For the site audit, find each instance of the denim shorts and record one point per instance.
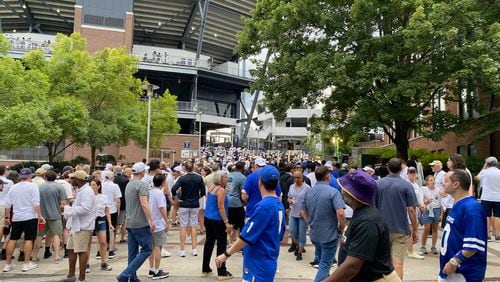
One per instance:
(425, 219)
(100, 224)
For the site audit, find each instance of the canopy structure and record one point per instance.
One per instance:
(176, 23)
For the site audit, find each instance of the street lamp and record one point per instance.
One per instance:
(335, 142)
(199, 112)
(149, 88)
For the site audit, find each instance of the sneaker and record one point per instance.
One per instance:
(9, 267)
(111, 255)
(414, 255)
(497, 238)
(225, 276)
(106, 267)
(314, 264)
(194, 252)
(299, 256)
(165, 253)
(434, 251)
(490, 238)
(29, 266)
(181, 253)
(98, 255)
(160, 275)
(47, 255)
(206, 273)
(87, 269)
(66, 253)
(151, 273)
(21, 256)
(3, 255)
(423, 250)
(291, 249)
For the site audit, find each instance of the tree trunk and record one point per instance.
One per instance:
(51, 150)
(93, 149)
(401, 139)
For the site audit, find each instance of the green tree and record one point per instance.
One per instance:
(385, 62)
(5, 45)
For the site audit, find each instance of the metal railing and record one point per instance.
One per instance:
(206, 108)
(27, 44)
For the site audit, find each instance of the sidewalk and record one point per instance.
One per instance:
(189, 268)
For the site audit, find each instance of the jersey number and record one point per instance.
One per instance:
(444, 239)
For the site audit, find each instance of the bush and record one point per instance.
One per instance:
(79, 160)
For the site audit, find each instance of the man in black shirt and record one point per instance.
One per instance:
(188, 190)
(365, 251)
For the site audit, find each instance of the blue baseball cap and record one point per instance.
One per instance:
(25, 173)
(269, 173)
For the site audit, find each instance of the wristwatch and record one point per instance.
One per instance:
(454, 262)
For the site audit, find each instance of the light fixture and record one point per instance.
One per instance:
(192, 28)
(14, 31)
(159, 23)
(24, 6)
(215, 34)
(58, 10)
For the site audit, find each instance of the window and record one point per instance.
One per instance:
(467, 100)
(439, 103)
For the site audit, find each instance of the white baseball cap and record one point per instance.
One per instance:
(260, 161)
(138, 167)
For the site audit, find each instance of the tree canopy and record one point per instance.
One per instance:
(75, 97)
(387, 63)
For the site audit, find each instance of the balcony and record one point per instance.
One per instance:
(211, 112)
(25, 42)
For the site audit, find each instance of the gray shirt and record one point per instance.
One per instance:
(235, 182)
(321, 204)
(298, 198)
(51, 196)
(394, 196)
(136, 218)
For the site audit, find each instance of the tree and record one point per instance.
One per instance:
(4, 45)
(385, 62)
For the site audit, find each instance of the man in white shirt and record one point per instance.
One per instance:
(112, 191)
(24, 198)
(81, 223)
(446, 200)
(5, 185)
(490, 196)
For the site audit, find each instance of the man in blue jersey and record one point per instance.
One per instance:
(250, 192)
(464, 238)
(263, 232)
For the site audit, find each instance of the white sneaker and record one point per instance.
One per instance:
(29, 266)
(194, 252)
(9, 267)
(414, 255)
(181, 253)
(165, 253)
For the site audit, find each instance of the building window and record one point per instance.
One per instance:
(439, 102)
(467, 99)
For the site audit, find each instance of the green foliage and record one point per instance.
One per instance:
(4, 45)
(385, 62)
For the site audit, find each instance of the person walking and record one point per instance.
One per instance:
(102, 224)
(217, 225)
(81, 223)
(297, 224)
(412, 178)
(192, 189)
(5, 185)
(140, 224)
(323, 209)
(261, 236)
(490, 197)
(112, 191)
(236, 211)
(24, 199)
(432, 214)
(365, 250)
(464, 238)
(52, 197)
(396, 201)
(158, 206)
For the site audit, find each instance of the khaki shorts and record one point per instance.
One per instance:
(391, 277)
(79, 241)
(398, 245)
(2, 216)
(55, 226)
(159, 238)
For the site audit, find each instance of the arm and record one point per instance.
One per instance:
(244, 196)
(341, 220)
(413, 218)
(304, 215)
(238, 245)
(163, 212)
(221, 196)
(145, 207)
(450, 269)
(347, 270)
(87, 205)
(108, 218)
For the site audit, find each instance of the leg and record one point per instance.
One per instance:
(11, 245)
(496, 226)
(36, 248)
(302, 234)
(193, 237)
(72, 263)
(101, 238)
(434, 234)
(221, 237)
(82, 264)
(427, 227)
(398, 249)
(56, 241)
(48, 242)
(201, 219)
(209, 245)
(193, 222)
(182, 235)
(326, 259)
(157, 257)
(28, 247)
(137, 237)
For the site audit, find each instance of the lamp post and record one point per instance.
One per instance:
(198, 112)
(150, 88)
(335, 142)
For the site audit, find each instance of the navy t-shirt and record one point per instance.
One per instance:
(263, 233)
(251, 187)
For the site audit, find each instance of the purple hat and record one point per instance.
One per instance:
(268, 174)
(360, 185)
(25, 173)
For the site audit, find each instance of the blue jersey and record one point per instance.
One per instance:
(251, 188)
(465, 230)
(263, 233)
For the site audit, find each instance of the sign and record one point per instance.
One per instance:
(187, 144)
(185, 154)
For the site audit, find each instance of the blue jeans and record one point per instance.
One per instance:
(137, 237)
(325, 255)
(298, 228)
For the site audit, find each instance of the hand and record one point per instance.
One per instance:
(111, 227)
(449, 269)
(220, 260)
(7, 222)
(41, 220)
(152, 225)
(414, 237)
(229, 227)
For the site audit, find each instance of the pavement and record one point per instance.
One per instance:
(189, 267)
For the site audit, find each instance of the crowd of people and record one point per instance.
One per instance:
(29, 44)
(246, 203)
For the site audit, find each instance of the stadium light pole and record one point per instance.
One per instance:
(150, 88)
